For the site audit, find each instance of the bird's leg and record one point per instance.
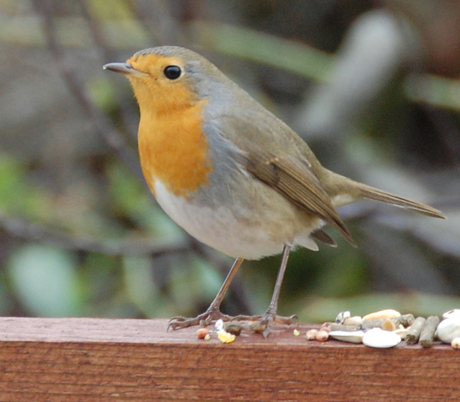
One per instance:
(213, 311)
(261, 323)
(265, 320)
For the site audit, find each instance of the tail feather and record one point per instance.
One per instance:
(375, 194)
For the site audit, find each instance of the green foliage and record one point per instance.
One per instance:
(192, 282)
(344, 275)
(18, 194)
(45, 281)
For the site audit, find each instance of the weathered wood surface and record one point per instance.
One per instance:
(82, 359)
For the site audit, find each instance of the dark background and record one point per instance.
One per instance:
(371, 85)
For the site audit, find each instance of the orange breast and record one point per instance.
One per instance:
(173, 148)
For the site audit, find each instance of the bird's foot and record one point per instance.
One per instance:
(257, 324)
(205, 319)
(249, 323)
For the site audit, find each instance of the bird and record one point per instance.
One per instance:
(231, 173)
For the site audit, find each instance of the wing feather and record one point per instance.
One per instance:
(294, 179)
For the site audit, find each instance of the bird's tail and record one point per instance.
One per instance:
(371, 193)
(357, 190)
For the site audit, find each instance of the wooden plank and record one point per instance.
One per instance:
(80, 359)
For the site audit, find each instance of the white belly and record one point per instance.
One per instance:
(221, 229)
(217, 228)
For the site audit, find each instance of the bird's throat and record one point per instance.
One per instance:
(173, 148)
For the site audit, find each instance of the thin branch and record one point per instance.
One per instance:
(31, 231)
(101, 124)
(125, 105)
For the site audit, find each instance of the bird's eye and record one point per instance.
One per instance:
(172, 72)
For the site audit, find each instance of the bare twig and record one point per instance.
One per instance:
(100, 122)
(125, 105)
(31, 231)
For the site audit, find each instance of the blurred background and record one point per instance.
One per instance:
(371, 85)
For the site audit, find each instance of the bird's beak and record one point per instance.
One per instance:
(123, 68)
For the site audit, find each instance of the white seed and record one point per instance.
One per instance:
(449, 329)
(347, 336)
(219, 325)
(378, 338)
(342, 316)
(451, 313)
(355, 320)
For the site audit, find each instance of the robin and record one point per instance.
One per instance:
(232, 174)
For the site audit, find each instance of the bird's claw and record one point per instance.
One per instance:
(249, 323)
(203, 320)
(259, 324)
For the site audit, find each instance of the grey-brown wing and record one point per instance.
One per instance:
(294, 179)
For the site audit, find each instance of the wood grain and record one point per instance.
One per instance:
(80, 359)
